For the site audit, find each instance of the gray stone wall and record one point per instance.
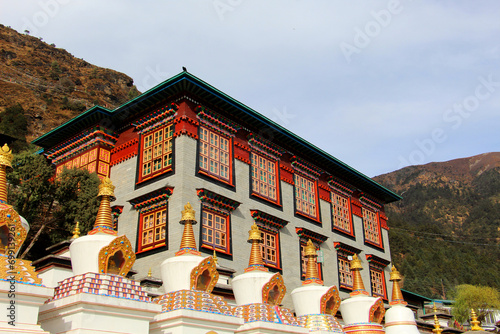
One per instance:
(185, 182)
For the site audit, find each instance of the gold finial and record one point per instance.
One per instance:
(397, 296)
(5, 161)
(188, 212)
(255, 238)
(6, 156)
(311, 265)
(149, 273)
(76, 231)
(104, 220)
(475, 324)
(216, 260)
(434, 307)
(357, 286)
(188, 242)
(106, 188)
(437, 327)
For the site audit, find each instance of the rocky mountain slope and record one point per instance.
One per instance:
(51, 85)
(446, 230)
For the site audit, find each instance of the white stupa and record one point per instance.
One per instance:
(316, 304)
(361, 312)
(399, 319)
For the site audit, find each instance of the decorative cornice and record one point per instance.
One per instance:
(265, 147)
(341, 247)
(216, 122)
(77, 144)
(375, 260)
(370, 202)
(306, 234)
(267, 219)
(216, 200)
(340, 186)
(128, 145)
(305, 167)
(155, 119)
(152, 200)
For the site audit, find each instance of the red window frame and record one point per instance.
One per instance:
(215, 155)
(341, 214)
(270, 248)
(345, 274)
(156, 152)
(89, 160)
(371, 227)
(303, 262)
(215, 228)
(152, 229)
(265, 177)
(377, 280)
(306, 196)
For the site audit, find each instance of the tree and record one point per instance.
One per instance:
(13, 122)
(50, 205)
(482, 299)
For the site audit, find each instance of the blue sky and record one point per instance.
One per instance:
(379, 86)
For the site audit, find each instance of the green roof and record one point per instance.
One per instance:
(186, 83)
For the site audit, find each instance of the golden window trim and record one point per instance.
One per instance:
(122, 244)
(324, 303)
(377, 311)
(276, 281)
(198, 272)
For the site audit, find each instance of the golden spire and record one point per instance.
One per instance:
(312, 267)
(188, 242)
(254, 237)
(357, 286)
(434, 307)
(397, 296)
(475, 324)
(437, 327)
(5, 161)
(216, 260)
(76, 231)
(104, 220)
(149, 273)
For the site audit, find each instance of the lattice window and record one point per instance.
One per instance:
(270, 248)
(377, 279)
(215, 155)
(305, 196)
(215, 230)
(345, 275)
(340, 213)
(157, 151)
(153, 229)
(95, 160)
(264, 176)
(371, 227)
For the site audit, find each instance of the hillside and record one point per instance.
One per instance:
(51, 85)
(446, 230)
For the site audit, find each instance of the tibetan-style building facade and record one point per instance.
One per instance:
(185, 141)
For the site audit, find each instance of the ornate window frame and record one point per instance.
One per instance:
(215, 146)
(306, 189)
(147, 205)
(377, 275)
(156, 144)
(344, 252)
(218, 206)
(372, 230)
(269, 225)
(342, 221)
